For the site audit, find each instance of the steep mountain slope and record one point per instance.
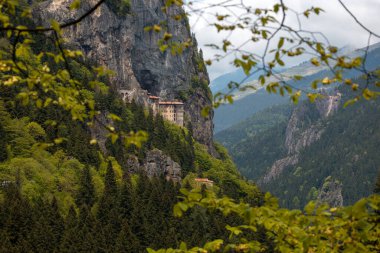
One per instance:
(117, 40)
(254, 136)
(32, 157)
(319, 151)
(226, 116)
(220, 84)
(249, 102)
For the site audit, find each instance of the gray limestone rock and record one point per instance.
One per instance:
(278, 167)
(328, 104)
(157, 163)
(120, 43)
(300, 133)
(297, 137)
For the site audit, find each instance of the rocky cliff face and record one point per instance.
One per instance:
(328, 104)
(156, 163)
(118, 41)
(304, 128)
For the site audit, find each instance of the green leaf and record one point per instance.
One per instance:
(230, 99)
(280, 43)
(350, 102)
(214, 245)
(205, 111)
(56, 26)
(164, 47)
(264, 34)
(75, 4)
(177, 211)
(114, 137)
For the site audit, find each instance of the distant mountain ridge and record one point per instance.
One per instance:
(251, 102)
(220, 84)
(310, 151)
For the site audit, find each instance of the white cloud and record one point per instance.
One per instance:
(335, 23)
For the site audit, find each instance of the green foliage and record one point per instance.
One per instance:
(86, 191)
(258, 141)
(344, 151)
(267, 26)
(316, 229)
(53, 100)
(128, 218)
(43, 76)
(200, 83)
(225, 174)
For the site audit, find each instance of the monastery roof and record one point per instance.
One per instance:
(170, 103)
(153, 97)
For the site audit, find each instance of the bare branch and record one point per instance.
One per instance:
(357, 20)
(62, 26)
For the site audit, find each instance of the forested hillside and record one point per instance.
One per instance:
(346, 153)
(249, 102)
(340, 159)
(129, 215)
(60, 193)
(32, 153)
(81, 170)
(88, 163)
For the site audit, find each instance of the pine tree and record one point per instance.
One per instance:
(138, 220)
(108, 212)
(86, 192)
(150, 129)
(126, 199)
(127, 242)
(109, 198)
(70, 240)
(86, 232)
(3, 144)
(40, 234)
(140, 121)
(189, 151)
(17, 219)
(4, 119)
(56, 222)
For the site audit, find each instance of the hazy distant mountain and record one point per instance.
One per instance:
(310, 151)
(220, 84)
(250, 102)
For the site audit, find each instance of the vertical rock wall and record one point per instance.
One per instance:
(119, 42)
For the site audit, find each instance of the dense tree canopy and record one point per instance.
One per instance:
(42, 82)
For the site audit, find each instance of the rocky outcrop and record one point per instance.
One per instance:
(297, 135)
(304, 128)
(120, 42)
(328, 103)
(300, 133)
(156, 163)
(99, 133)
(278, 167)
(331, 193)
(192, 114)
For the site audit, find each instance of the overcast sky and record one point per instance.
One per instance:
(335, 23)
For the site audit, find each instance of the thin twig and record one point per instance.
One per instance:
(61, 26)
